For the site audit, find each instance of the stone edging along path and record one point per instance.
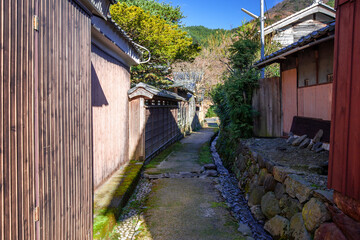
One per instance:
(235, 198)
(290, 207)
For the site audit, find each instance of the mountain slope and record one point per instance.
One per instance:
(288, 7)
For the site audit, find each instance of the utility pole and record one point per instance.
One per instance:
(262, 20)
(262, 37)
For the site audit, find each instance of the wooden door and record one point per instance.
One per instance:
(289, 98)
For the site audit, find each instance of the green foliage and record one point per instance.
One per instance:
(211, 112)
(233, 99)
(331, 3)
(170, 14)
(205, 156)
(201, 34)
(166, 42)
(243, 54)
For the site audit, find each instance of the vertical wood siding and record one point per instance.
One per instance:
(344, 164)
(110, 84)
(267, 102)
(64, 120)
(315, 101)
(161, 127)
(16, 120)
(289, 98)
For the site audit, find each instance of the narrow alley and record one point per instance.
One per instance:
(180, 197)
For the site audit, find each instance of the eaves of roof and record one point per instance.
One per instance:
(125, 35)
(152, 91)
(316, 37)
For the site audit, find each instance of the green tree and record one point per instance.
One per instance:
(233, 99)
(166, 42)
(172, 15)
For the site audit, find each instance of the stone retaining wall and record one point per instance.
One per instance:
(288, 205)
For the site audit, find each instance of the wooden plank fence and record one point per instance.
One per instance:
(267, 102)
(161, 125)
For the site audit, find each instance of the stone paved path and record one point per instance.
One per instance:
(187, 208)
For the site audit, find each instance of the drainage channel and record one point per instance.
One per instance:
(235, 199)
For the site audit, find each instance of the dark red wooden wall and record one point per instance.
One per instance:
(45, 121)
(344, 163)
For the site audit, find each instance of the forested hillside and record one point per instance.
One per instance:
(201, 34)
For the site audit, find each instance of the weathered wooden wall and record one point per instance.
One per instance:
(45, 123)
(110, 83)
(344, 164)
(315, 101)
(267, 102)
(136, 129)
(289, 98)
(161, 126)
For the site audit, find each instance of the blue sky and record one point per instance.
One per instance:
(225, 14)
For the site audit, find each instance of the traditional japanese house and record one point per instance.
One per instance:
(292, 28)
(306, 82)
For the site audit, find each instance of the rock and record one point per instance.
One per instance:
(325, 196)
(316, 146)
(249, 238)
(261, 161)
(349, 206)
(326, 146)
(279, 191)
(269, 183)
(202, 169)
(210, 166)
(270, 205)
(289, 206)
(254, 154)
(318, 136)
(269, 165)
(244, 229)
(348, 226)
(297, 228)
(314, 214)
(315, 169)
(280, 173)
(291, 139)
(187, 174)
(252, 170)
(311, 144)
(278, 227)
(281, 149)
(329, 231)
(262, 175)
(256, 195)
(299, 140)
(211, 173)
(305, 143)
(257, 213)
(320, 149)
(297, 187)
(253, 182)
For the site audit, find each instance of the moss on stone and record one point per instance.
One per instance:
(205, 156)
(163, 155)
(105, 214)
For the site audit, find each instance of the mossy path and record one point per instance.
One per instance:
(187, 208)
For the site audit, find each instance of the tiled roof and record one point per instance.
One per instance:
(314, 36)
(156, 91)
